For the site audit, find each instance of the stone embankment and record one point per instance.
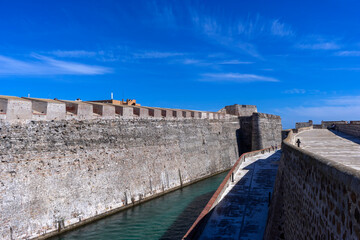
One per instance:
(317, 190)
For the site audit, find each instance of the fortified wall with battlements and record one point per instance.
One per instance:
(18, 109)
(66, 163)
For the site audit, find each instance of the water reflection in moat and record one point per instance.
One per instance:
(166, 217)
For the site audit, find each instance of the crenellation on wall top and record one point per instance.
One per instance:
(25, 108)
(239, 110)
(266, 115)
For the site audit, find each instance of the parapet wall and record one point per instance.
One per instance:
(313, 197)
(23, 109)
(59, 174)
(239, 110)
(303, 124)
(352, 128)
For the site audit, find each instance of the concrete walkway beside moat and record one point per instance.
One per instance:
(242, 213)
(333, 145)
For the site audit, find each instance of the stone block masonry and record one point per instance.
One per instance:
(240, 110)
(314, 197)
(50, 109)
(65, 163)
(80, 109)
(15, 108)
(39, 109)
(266, 130)
(57, 174)
(303, 124)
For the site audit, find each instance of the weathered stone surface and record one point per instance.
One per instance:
(316, 193)
(303, 124)
(68, 171)
(266, 130)
(239, 110)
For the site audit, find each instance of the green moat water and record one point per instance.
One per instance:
(166, 217)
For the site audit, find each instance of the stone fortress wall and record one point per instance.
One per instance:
(313, 196)
(303, 124)
(266, 131)
(61, 169)
(17, 109)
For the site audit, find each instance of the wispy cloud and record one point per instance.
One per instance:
(355, 69)
(335, 108)
(323, 112)
(343, 101)
(348, 53)
(281, 29)
(73, 53)
(192, 61)
(320, 46)
(295, 91)
(155, 54)
(42, 65)
(236, 77)
(303, 91)
(238, 34)
(225, 36)
(163, 14)
(234, 62)
(315, 42)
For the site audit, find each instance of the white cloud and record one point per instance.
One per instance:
(343, 101)
(295, 91)
(238, 34)
(317, 42)
(236, 77)
(348, 53)
(336, 108)
(154, 54)
(191, 61)
(320, 46)
(41, 65)
(324, 112)
(343, 69)
(234, 62)
(303, 91)
(73, 53)
(280, 29)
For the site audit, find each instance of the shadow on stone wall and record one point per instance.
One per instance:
(346, 136)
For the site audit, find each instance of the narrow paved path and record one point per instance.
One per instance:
(242, 213)
(333, 145)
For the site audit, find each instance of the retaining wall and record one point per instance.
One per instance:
(313, 197)
(61, 174)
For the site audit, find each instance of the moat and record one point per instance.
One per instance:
(166, 217)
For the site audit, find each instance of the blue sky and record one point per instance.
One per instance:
(296, 59)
